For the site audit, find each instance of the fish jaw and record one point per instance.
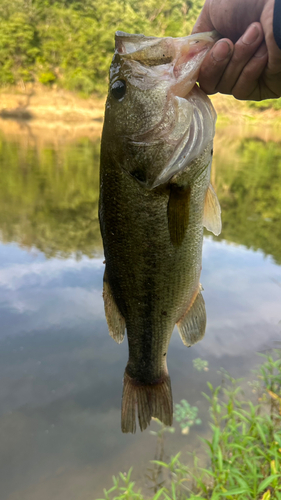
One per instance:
(190, 53)
(182, 56)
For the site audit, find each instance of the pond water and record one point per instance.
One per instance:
(60, 372)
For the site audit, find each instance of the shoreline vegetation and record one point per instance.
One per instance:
(68, 44)
(55, 56)
(241, 457)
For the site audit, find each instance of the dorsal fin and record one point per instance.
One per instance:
(212, 212)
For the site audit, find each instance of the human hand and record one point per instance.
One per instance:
(246, 64)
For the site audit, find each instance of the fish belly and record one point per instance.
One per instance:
(152, 279)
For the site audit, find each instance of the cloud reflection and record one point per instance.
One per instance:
(61, 373)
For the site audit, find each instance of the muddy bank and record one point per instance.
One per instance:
(53, 105)
(39, 115)
(37, 103)
(40, 133)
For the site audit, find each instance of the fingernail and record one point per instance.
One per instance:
(221, 51)
(262, 50)
(251, 34)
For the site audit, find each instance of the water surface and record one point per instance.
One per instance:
(61, 373)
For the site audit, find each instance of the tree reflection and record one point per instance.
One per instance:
(49, 195)
(248, 185)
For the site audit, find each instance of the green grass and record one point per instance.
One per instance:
(244, 451)
(266, 104)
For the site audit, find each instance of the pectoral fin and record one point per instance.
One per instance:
(178, 213)
(115, 321)
(212, 212)
(193, 324)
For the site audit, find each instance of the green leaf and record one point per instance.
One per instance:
(174, 491)
(266, 482)
(210, 386)
(111, 490)
(159, 493)
(124, 479)
(216, 437)
(238, 414)
(167, 496)
(235, 491)
(129, 473)
(261, 433)
(220, 461)
(158, 462)
(206, 396)
(196, 497)
(209, 472)
(241, 482)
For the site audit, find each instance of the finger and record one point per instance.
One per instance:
(272, 74)
(214, 65)
(244, 50)
(248, 86)
(274, 52)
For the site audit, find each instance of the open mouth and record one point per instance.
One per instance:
(190, 52)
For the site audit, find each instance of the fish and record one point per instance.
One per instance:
(155, 198)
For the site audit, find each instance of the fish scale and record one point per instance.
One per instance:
(152, 221)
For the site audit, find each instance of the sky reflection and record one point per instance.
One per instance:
(61, 373)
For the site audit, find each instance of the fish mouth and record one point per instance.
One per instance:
(178, 59)
(190, 53)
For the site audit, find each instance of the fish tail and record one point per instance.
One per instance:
(150, 400)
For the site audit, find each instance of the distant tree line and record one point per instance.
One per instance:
(70, 42)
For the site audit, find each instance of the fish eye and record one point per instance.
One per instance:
(118, 89)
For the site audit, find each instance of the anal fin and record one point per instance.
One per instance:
(193, 324)
(115, 321)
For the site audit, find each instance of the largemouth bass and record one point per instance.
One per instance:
(155, 198)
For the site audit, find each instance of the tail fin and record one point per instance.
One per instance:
(151, 400)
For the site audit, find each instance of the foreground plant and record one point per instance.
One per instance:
(200, 364)
(244, 450)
